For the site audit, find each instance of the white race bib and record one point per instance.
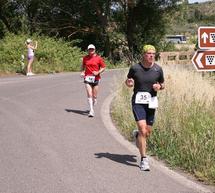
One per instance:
(143, 98)
(90, 79)
(153, 104)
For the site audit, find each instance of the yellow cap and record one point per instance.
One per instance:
(146, 48)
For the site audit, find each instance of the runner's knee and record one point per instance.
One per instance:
(143, 132)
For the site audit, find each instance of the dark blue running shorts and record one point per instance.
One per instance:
(142, 112)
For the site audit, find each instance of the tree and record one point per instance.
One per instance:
(144, 21)
(96, 21)
(9, 16)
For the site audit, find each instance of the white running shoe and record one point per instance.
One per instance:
(91, 113)
(144, 165)
(30, 74)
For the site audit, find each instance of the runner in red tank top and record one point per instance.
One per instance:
(92, 66)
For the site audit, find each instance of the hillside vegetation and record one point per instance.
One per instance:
(191, 16)
(59, 52)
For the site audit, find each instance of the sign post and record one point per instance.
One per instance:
(204, 59)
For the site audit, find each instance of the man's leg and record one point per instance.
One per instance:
(94, 94)
(149, 130)
(143, 134)
(89, 90)
(29, 66)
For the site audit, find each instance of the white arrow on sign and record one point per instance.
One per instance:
(198, 60)
(204, 60)
(205, 37)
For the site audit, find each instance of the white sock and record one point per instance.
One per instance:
(90, 101)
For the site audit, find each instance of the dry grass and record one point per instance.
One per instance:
(184, 131)
(183, 83)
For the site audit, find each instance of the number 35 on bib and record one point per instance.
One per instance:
(146, 98)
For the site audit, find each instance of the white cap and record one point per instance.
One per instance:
(28, 41)
(91, 46)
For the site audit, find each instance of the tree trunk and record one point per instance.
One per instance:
(103, 18)
(130, 28)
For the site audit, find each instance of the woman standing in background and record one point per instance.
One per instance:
(30, 55)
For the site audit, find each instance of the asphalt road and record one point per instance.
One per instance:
(49, 145)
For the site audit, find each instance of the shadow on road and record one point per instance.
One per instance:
(77, 111)
(124, 159)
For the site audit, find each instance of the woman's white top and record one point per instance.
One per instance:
(30, 52)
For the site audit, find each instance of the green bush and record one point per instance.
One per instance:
(52, 55)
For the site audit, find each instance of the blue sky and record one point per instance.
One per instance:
(199, 1)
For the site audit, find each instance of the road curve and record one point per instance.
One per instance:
(49, 145)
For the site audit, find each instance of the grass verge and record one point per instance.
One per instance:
(184, 130)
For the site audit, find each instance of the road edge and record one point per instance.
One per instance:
(106, 118)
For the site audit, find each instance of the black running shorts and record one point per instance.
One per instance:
(142, 112)
(95, 83)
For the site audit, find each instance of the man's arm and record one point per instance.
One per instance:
(158, 86)
(101, 70)
(95, 73)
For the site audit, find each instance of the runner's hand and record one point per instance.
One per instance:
(82, 74)
(156, 86)
(95, 73)
(130, 82)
